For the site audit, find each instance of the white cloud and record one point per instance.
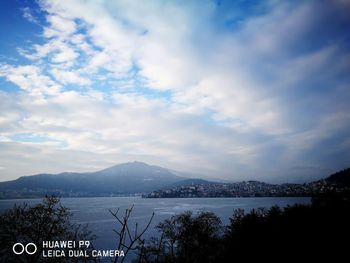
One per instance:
(168, 84)
(69, 77)
(59, 26)
(27, 14)
(30, 79)
(65, 54)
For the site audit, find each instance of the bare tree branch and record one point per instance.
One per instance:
(126, 238)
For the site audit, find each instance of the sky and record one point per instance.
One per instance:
(236, 90)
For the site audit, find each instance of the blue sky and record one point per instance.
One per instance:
(235, 90)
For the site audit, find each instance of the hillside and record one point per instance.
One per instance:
(336, 184)
(154, 181)
(340, 178)
(126, 178)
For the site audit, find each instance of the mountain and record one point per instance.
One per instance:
(341, 178)
(126, 178)
(138, 177)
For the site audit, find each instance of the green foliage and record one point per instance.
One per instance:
(47, 221)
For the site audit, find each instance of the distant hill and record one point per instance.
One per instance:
(192, 181)
(126, 178)
(340, 178)
(141, 178)
(336, 184)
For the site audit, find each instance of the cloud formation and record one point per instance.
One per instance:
(229, 91)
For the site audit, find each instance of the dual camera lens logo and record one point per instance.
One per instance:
(19, 248)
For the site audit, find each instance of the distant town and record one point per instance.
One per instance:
(249, 189)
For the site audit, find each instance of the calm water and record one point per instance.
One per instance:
(94, 211)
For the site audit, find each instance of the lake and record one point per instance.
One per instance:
(94, 211)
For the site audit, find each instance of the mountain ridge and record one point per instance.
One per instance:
(125, 178)
(340, 178)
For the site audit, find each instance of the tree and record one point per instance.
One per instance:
(299, 232)
(306, 232)
(47, 221)
(185, 238)
(127, 239)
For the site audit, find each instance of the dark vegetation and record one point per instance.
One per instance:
(298, 233)
(48, 220)
(340, 178)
